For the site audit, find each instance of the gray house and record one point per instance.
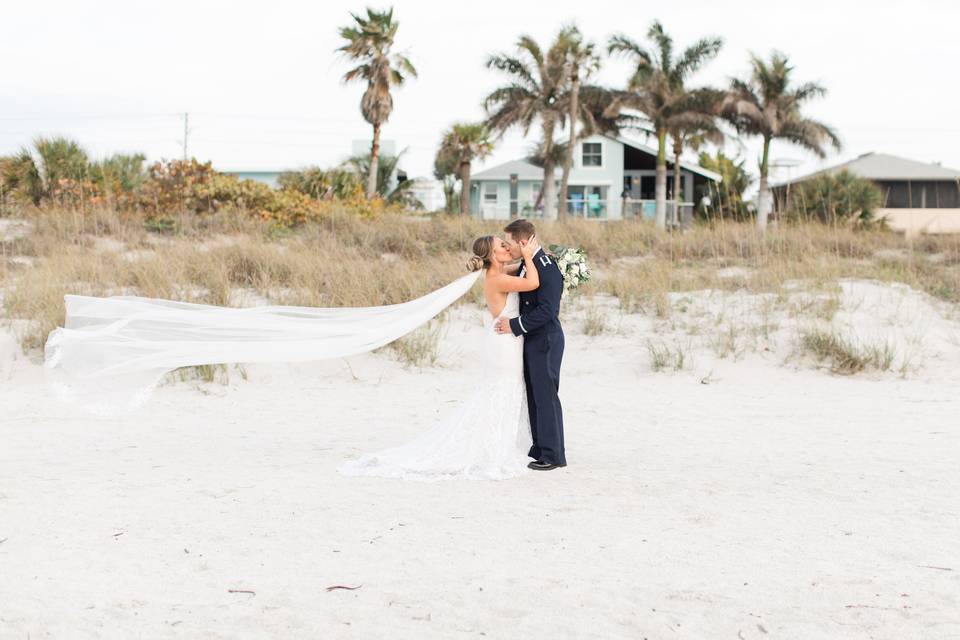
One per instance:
(918, 197)
(612, 178)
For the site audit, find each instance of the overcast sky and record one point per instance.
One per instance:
(261, 81)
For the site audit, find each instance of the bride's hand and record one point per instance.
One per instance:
(530, 249)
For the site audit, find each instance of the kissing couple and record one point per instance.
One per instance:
(514, 413)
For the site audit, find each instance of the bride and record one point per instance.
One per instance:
(488, 436)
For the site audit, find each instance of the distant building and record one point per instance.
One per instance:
(429, 192)
(612, 178)
(266, 177)
(917, 197)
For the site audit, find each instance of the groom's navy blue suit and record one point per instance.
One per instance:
(539, 323)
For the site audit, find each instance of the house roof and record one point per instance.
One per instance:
(689, 166)
(528, 171)
(882, 166)
(523, 169)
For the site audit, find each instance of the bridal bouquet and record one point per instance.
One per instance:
(573, 265)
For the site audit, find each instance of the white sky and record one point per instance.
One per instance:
(262, 83)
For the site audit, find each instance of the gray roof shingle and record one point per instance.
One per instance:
(882, 166)
(523, 169)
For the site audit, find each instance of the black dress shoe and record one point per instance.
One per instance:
(540, 465)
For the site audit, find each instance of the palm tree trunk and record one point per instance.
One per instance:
(677, 148)
(449, 187)
(763, 199)
(661, 185)
(374, 162)
(549, 191)
(571, 146)
(549, 184)
(464, 188)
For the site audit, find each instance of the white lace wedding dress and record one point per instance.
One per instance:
(487, 437)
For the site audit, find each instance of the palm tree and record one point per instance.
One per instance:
(657, 90)
(465, 143)
(368, 42)
(537, 80)
(693, 127)
(539, 156)
(36, 173)
(445, 170)
(582, 62)
(768, 106)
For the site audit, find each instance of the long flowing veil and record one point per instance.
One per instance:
(113, 351)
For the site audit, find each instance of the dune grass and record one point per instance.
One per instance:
(347, 261)
(844, 356)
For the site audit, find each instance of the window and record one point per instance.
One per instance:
(588, 201)
(489, 191)
(592, 154)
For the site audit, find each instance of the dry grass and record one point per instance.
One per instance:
(346, 261)
(844, 356)
(421, 347)
(664, 355)
(594, 321)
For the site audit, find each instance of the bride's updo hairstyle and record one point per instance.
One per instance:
(482, 250)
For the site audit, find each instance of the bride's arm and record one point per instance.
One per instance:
(530, 279)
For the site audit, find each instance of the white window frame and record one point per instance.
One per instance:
(495, 194)
(583, 151)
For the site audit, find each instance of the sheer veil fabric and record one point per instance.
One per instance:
(113, 351)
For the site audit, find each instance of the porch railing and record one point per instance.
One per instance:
(576, 208)
(647, 209)
(589, 209)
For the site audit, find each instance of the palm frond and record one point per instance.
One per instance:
(695, 56)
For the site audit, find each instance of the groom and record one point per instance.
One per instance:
(539, 323)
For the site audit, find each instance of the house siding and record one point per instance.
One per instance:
(608, 179)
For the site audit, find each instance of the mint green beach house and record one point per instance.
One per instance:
(612, 178)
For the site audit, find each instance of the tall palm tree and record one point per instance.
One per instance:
(465, 143)
(767, 105)
(537, 80)
(657, 90)
(368, 42)
(582, 61)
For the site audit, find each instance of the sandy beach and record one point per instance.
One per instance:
(740, 497)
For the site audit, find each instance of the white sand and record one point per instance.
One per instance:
(737, 498)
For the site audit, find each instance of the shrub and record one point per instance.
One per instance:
(833, 198)
(322, 184)
(726, 197)
(194, 187)
(119, 176)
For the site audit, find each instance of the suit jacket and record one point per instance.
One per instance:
(540, 308)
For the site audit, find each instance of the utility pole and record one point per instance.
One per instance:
(186, 131)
